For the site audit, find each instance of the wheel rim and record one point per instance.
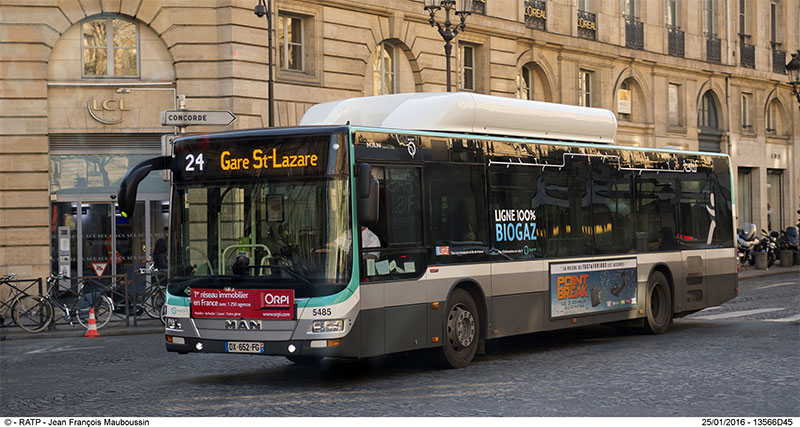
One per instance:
(460, 327)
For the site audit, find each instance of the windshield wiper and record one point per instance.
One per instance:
(287, 269)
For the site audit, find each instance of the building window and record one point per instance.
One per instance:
(110, 48)
(745, 199)
(291, 42)
(525, 83)
(773, 117)
(384, 69)
(674, 106)
(671, 12)
(746, 103)
(479, 6)
(624, 95)
(629, 8)
(585, 88)
(774, 199)
(707, 115)
(708, 17)
(743, 18)
(467, 67)
(773, 23)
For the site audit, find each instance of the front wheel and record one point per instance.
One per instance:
(103, 310)
(462, 331)
(659, 305)
(32, 313)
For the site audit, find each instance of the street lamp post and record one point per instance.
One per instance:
(793, 69)
(260, 10)
(447, 30)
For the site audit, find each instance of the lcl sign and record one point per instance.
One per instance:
(111, 104)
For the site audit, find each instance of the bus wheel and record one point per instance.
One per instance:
(462, 331)
(304, 360)
(659, 305)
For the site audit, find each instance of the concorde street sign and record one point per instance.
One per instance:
(196, 118)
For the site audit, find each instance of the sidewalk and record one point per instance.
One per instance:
(751, 272)
(145, 326)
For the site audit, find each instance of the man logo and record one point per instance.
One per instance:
(251, 325)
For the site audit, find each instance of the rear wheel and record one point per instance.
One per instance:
(32, 314)
(659, 305)
(462, 331)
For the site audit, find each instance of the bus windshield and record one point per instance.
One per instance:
(281, 232)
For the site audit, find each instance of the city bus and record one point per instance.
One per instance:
(434, 221)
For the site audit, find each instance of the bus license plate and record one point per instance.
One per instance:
(244, 347)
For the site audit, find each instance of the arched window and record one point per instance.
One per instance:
(384, 69)
(110, 47)
(625, 86)
(525, 83)
(707, 115)
(774, 117)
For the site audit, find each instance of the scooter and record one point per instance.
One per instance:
(768, 244)
(745, 242)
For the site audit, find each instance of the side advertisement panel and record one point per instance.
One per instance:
(592, 286)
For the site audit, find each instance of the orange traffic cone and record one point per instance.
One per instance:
(91, 332)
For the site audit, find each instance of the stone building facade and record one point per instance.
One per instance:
(82, 83)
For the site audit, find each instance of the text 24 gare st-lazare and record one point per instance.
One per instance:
(260, 160)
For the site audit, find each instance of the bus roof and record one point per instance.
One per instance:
(473, 113)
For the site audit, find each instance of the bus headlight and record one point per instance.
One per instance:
(327, 325)
(173, 323)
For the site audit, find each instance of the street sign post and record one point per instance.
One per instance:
(196, 118)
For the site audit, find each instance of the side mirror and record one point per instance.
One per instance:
(367, 190)
(130, 182)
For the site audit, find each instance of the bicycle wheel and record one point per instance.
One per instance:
(32, 313)
(103, 309)
(154, 303)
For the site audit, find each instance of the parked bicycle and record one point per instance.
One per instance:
(154, 295)
(36, 313)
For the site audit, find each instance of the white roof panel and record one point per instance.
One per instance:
(469, 113)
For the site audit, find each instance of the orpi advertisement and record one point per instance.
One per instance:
(592, 286)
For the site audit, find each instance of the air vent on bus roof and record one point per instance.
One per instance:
(469, 113)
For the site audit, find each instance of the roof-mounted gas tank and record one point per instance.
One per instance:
(469, 113)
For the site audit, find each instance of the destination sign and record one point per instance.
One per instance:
(243, 158)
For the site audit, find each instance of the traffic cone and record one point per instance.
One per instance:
(91, 332)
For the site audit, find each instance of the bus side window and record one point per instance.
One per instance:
(656, 211)
(456, 212)
(612, 208)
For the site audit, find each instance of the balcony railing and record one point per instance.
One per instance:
(778, 59)
(536, 14)
(747, 52)
(634, 33)
(675, 39)
(587, 25)
(713, 49)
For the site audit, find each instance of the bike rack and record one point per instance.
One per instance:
(18, 292)
(117, 288)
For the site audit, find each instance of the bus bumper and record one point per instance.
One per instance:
(347, 346)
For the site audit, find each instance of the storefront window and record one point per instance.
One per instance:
(98, 174)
